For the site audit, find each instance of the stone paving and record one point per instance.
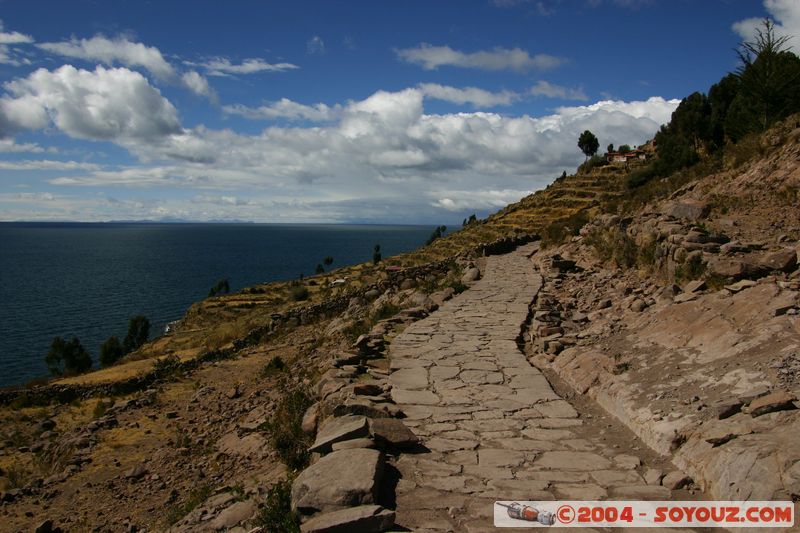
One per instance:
(495, 428)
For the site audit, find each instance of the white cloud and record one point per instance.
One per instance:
(432, 57)
(551, 90)
(10, 146)
(106, 104)
(786, 14)
(384, 150)
(485, 199)
(114, 51)
(222, 200)
(315, 45)
(285, 108)
(468, 95)
(222, 66)
(198, 85)
(47, 164)
(13, 37)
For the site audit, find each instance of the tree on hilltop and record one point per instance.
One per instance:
(138, 332)
(588, 143)
(67, 357)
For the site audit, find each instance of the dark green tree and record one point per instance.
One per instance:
(624, 148)
(769, 75)
(376, 254)
(720, 97)
(610, 147)
(320, 269)
(437, 233)
(67, 357)
(138, 332)
(221, 287)
(111, 351)
(588, 143)
(328, 261)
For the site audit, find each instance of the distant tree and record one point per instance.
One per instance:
(111, 351)
(624, 148)
(769, 75)
(720, 97)
(464, 224)
(437, 233)
(67, 357)
(221, 287)
(328, 261)
(376, 254)
(472, 219)
(320, 269)
(588, 143)
(610, 148)
(138, 332)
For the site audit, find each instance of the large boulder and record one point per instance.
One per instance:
(392, 432)
(784, 260)
(470, 275)
(688, 209)
(361, 519)
(338, 429)
(345, 478)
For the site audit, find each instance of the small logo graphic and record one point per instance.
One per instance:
(527, 513)
(566, 514)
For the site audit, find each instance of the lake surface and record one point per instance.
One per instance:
(87, 280)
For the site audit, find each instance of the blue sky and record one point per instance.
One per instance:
(398, 112)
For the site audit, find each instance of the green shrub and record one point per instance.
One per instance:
(167, 366)
(276, 365)
(196, 497)
(298, 293)
(386, 310)
(276, 515)
(692, 269)
(285, 435)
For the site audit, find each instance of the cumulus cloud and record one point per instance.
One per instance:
(11, 146)
(13, 37)
(117, 51)
(222, 66)
(468, 95)
(105, 104)
(198, 85)
(285, 108)
(385, 146)
(785, 13)
(8, 55)
(551, 90)
(315, 45)
(432, 57)
(122, 51)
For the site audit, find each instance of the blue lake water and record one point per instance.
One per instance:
(87, 280)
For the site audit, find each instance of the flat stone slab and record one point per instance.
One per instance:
(393, 432)
(361, 519)
(338, 429)
(573, 461)
(344, 478)
(419, 397)
(410, 378)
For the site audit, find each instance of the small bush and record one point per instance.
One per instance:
(457, 286)
(356, 329)
(387, 310)
(276, 515)
(276, 365)
(692, 269)
(196, 497)
(285, 435)
(167, 366)
(17, 476)
(111, 351)
(298, 293)
(99, 409)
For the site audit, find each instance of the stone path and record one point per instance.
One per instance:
(495, 428)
